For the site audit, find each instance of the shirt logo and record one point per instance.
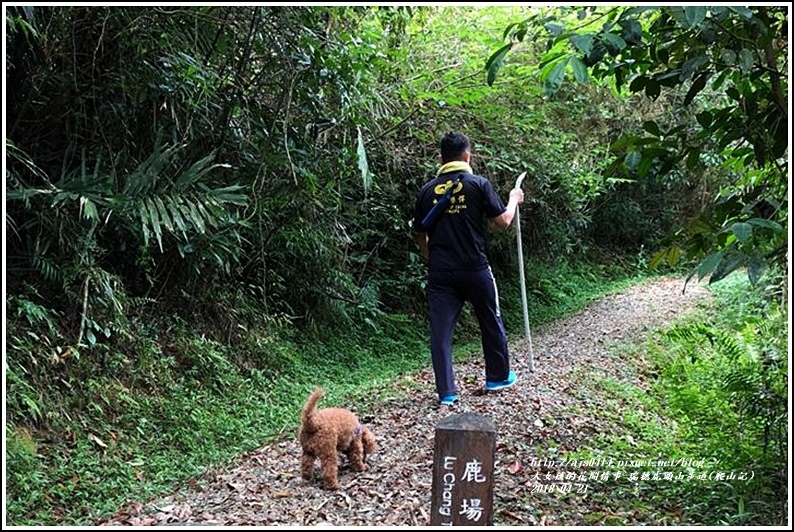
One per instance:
(457, 201)
(442, 188)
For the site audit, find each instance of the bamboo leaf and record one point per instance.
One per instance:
(195, 217)
(228, 195)
(208, 216)
(144, 215)
(88, 209)
(154, 218)
(363, 165)
(164, 218)
(174, 208)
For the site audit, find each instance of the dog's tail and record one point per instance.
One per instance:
(310, 407)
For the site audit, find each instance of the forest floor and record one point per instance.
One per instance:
(551, 411)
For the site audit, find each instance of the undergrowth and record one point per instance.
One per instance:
(127, 421)
(705, 437)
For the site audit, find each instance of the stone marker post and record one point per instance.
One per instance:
(463, 463)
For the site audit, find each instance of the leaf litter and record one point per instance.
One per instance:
(540, 419)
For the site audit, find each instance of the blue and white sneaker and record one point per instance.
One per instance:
(493, 386)
(448, 400)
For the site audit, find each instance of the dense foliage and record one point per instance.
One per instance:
(203, 201)
(723, 70)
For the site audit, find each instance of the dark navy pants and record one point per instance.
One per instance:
(446, 293)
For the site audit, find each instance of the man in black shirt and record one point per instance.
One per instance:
(451, 239)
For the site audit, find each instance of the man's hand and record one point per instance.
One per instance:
(516, 195)
(504, 220)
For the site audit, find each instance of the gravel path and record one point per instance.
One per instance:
(545, 412)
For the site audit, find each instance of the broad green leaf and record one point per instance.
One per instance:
(632, 31)
(742, 230)
(624, 142)
(694, 15)
(679, 15)
(579, 70)
(746, 60)
(692, 65)
(742, 11)
(728, 57)
(632, 160)
(696, 87)
(494, 62)
(693, 158)
(637, 84)
(652, 127)
(704, 119)
(755, 269)
(652, 89)
(669, 78)
(614, 42)
(554, 29)
(583, 42)
(730, 263)
(763, 222)
(554, 80)
(548, 61)
(89, 335)
(708, 265)
(645, 166)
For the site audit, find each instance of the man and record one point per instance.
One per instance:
(452, 242)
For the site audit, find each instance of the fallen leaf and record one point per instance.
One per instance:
(95, 439)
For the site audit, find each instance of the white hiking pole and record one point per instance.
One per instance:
(523, 282)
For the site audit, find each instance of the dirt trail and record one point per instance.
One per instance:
(545, 411)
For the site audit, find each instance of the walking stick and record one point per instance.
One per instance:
(523, 282)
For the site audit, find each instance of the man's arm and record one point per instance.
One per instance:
(421, 240)
(504, 220)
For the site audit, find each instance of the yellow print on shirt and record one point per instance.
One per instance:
(457, 202)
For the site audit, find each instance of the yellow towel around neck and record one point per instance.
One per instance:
(454, 166)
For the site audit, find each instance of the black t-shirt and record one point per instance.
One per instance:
(456, 240)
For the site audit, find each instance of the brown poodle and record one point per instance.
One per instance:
(324, 433)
